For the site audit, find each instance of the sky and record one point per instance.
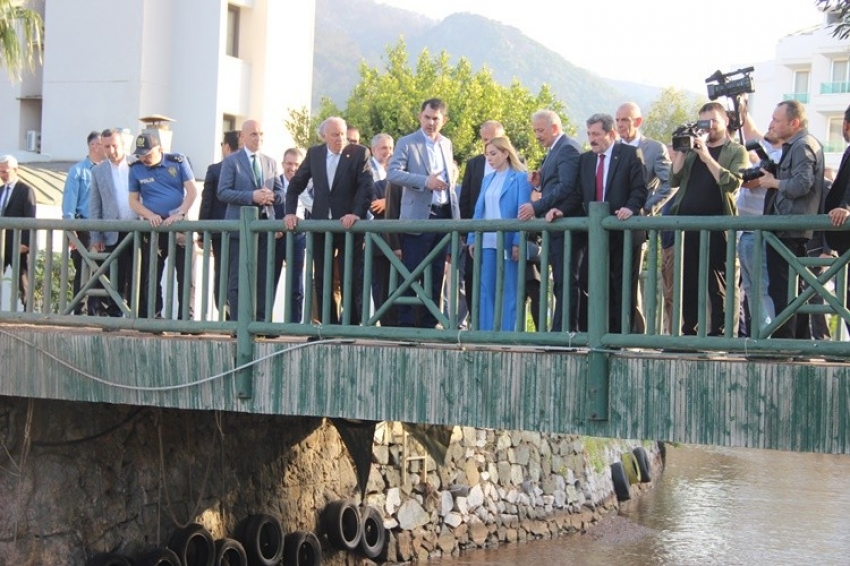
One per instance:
(656, 42)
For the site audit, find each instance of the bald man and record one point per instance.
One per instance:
(656, 160)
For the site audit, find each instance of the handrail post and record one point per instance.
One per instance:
(597, 316)
(247, 288)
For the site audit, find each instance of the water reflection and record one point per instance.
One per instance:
(714, 506)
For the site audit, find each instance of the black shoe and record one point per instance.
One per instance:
(313, 338)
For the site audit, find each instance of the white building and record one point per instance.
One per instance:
(208, 64)
(813, 67)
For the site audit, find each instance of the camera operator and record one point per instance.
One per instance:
(707, 177)
(796, 189)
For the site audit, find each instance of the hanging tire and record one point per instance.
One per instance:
(193, 545)
(374, 536)
(621, 482)
(341, 523)
(262, 538)
(161, 557)
(643, 464)
(630, 467)
(108, 559)
(230, 552)
(302, 548)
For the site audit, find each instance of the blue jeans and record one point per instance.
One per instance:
(746, 252)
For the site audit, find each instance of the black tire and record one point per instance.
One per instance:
(302, 548)
(643, 464)
(230, 552)
(621, 482)
(374, 536)
(160, 557)
(341, 523)
(108, 559)
(262, 538)
(193, 545)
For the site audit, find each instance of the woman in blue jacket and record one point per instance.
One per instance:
(502, 193)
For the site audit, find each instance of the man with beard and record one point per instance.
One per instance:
(707, 177)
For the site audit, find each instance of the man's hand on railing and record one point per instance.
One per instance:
(526, 212)
(24, 249)
(290, 221)
(155, 220)
(176, 217)
(623, 213)
(348, 220)
(838, 216)
(554, 214)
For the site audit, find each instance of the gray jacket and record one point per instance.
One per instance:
(800, 175)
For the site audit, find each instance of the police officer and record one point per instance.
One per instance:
(162, 189)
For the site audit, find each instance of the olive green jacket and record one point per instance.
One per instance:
(733, 158)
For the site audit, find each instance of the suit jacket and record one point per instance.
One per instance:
(839, 197)
(409, 168)
(625, 182)
(102, 202)
(470, 188)
(515, 192)
(352, 185)
(656, 166)
(211, 207)
(21, 204)
(236, 184)
(557, 179)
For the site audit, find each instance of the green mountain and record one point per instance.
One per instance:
(349, 32)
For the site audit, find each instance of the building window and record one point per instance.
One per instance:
(840, 79)
(228, 122)
(232, 46)
(800, 87)
(835, 135)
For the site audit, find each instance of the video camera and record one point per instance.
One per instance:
(765, 163)
(720, 84)
(685, 136)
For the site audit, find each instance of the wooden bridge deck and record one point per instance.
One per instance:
(719, 400)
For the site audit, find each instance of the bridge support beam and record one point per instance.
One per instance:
(247, 308)
(597, 316)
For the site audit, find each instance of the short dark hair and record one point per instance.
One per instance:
(713, 107)
(606, 120)
(231, 139)
(795, 110)
(109, 132)
(93, 135)
(435, 104)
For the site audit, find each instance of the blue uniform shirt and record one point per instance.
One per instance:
(75, 195)
(161, 186)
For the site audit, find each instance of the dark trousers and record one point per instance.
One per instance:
(414, 248)
(716, 290)
(77, 261)
(261, 268)
(218, 264)
(562, 289)
(180, 268)
(381, 288)
(778, 287)
(295, 271)
(105, 306)
(615, 285)
(338, 256)
(23, 276)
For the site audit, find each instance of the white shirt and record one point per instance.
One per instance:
(492, 211)
(121, 188)
(605, 166)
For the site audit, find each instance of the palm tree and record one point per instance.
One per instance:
(20, 37)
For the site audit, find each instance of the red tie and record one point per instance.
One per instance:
(600, 174)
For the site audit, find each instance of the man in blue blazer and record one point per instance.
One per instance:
(421, 164)
(249, 178)
(342, 190)
(614, 173)
(555, 181)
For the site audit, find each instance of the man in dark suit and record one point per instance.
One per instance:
(249, 178)
(476, 169)
(342, 190)
(610, 172)
(837, 203)
(17, 200)
(555, 180)
(214, 209)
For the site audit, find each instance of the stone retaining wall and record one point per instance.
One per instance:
(78, 478)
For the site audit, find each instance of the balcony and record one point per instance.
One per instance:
(835, 88)
(834, 147)
(798, 96)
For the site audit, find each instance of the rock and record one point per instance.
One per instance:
(512, 496)
(493, 471)
(522, 453)
(376, 483)
(411, 515)
(504, 441)
(446, 503)
(405, 546)
(446, 542)
(475, 498)
(504, 472)
(485, 476)
(560, 499)
(477, 531)
(470, 436)
(461, 506)
(516, 474)
(393, 501)
(381, 454)
(472, 474)
(453, 520)
(530, 437)
(511, 535)
(390, 524)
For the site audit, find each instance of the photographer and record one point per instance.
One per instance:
(796, 189)
(707, 177)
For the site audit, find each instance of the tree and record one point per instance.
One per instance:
(839, 16)
(388, 100)
(21, 30)
(670, 110)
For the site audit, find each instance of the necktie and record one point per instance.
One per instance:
(600, 178)
(4, 199)
(258, 177)
(333, 161)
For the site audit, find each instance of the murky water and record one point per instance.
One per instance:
(713, 506)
